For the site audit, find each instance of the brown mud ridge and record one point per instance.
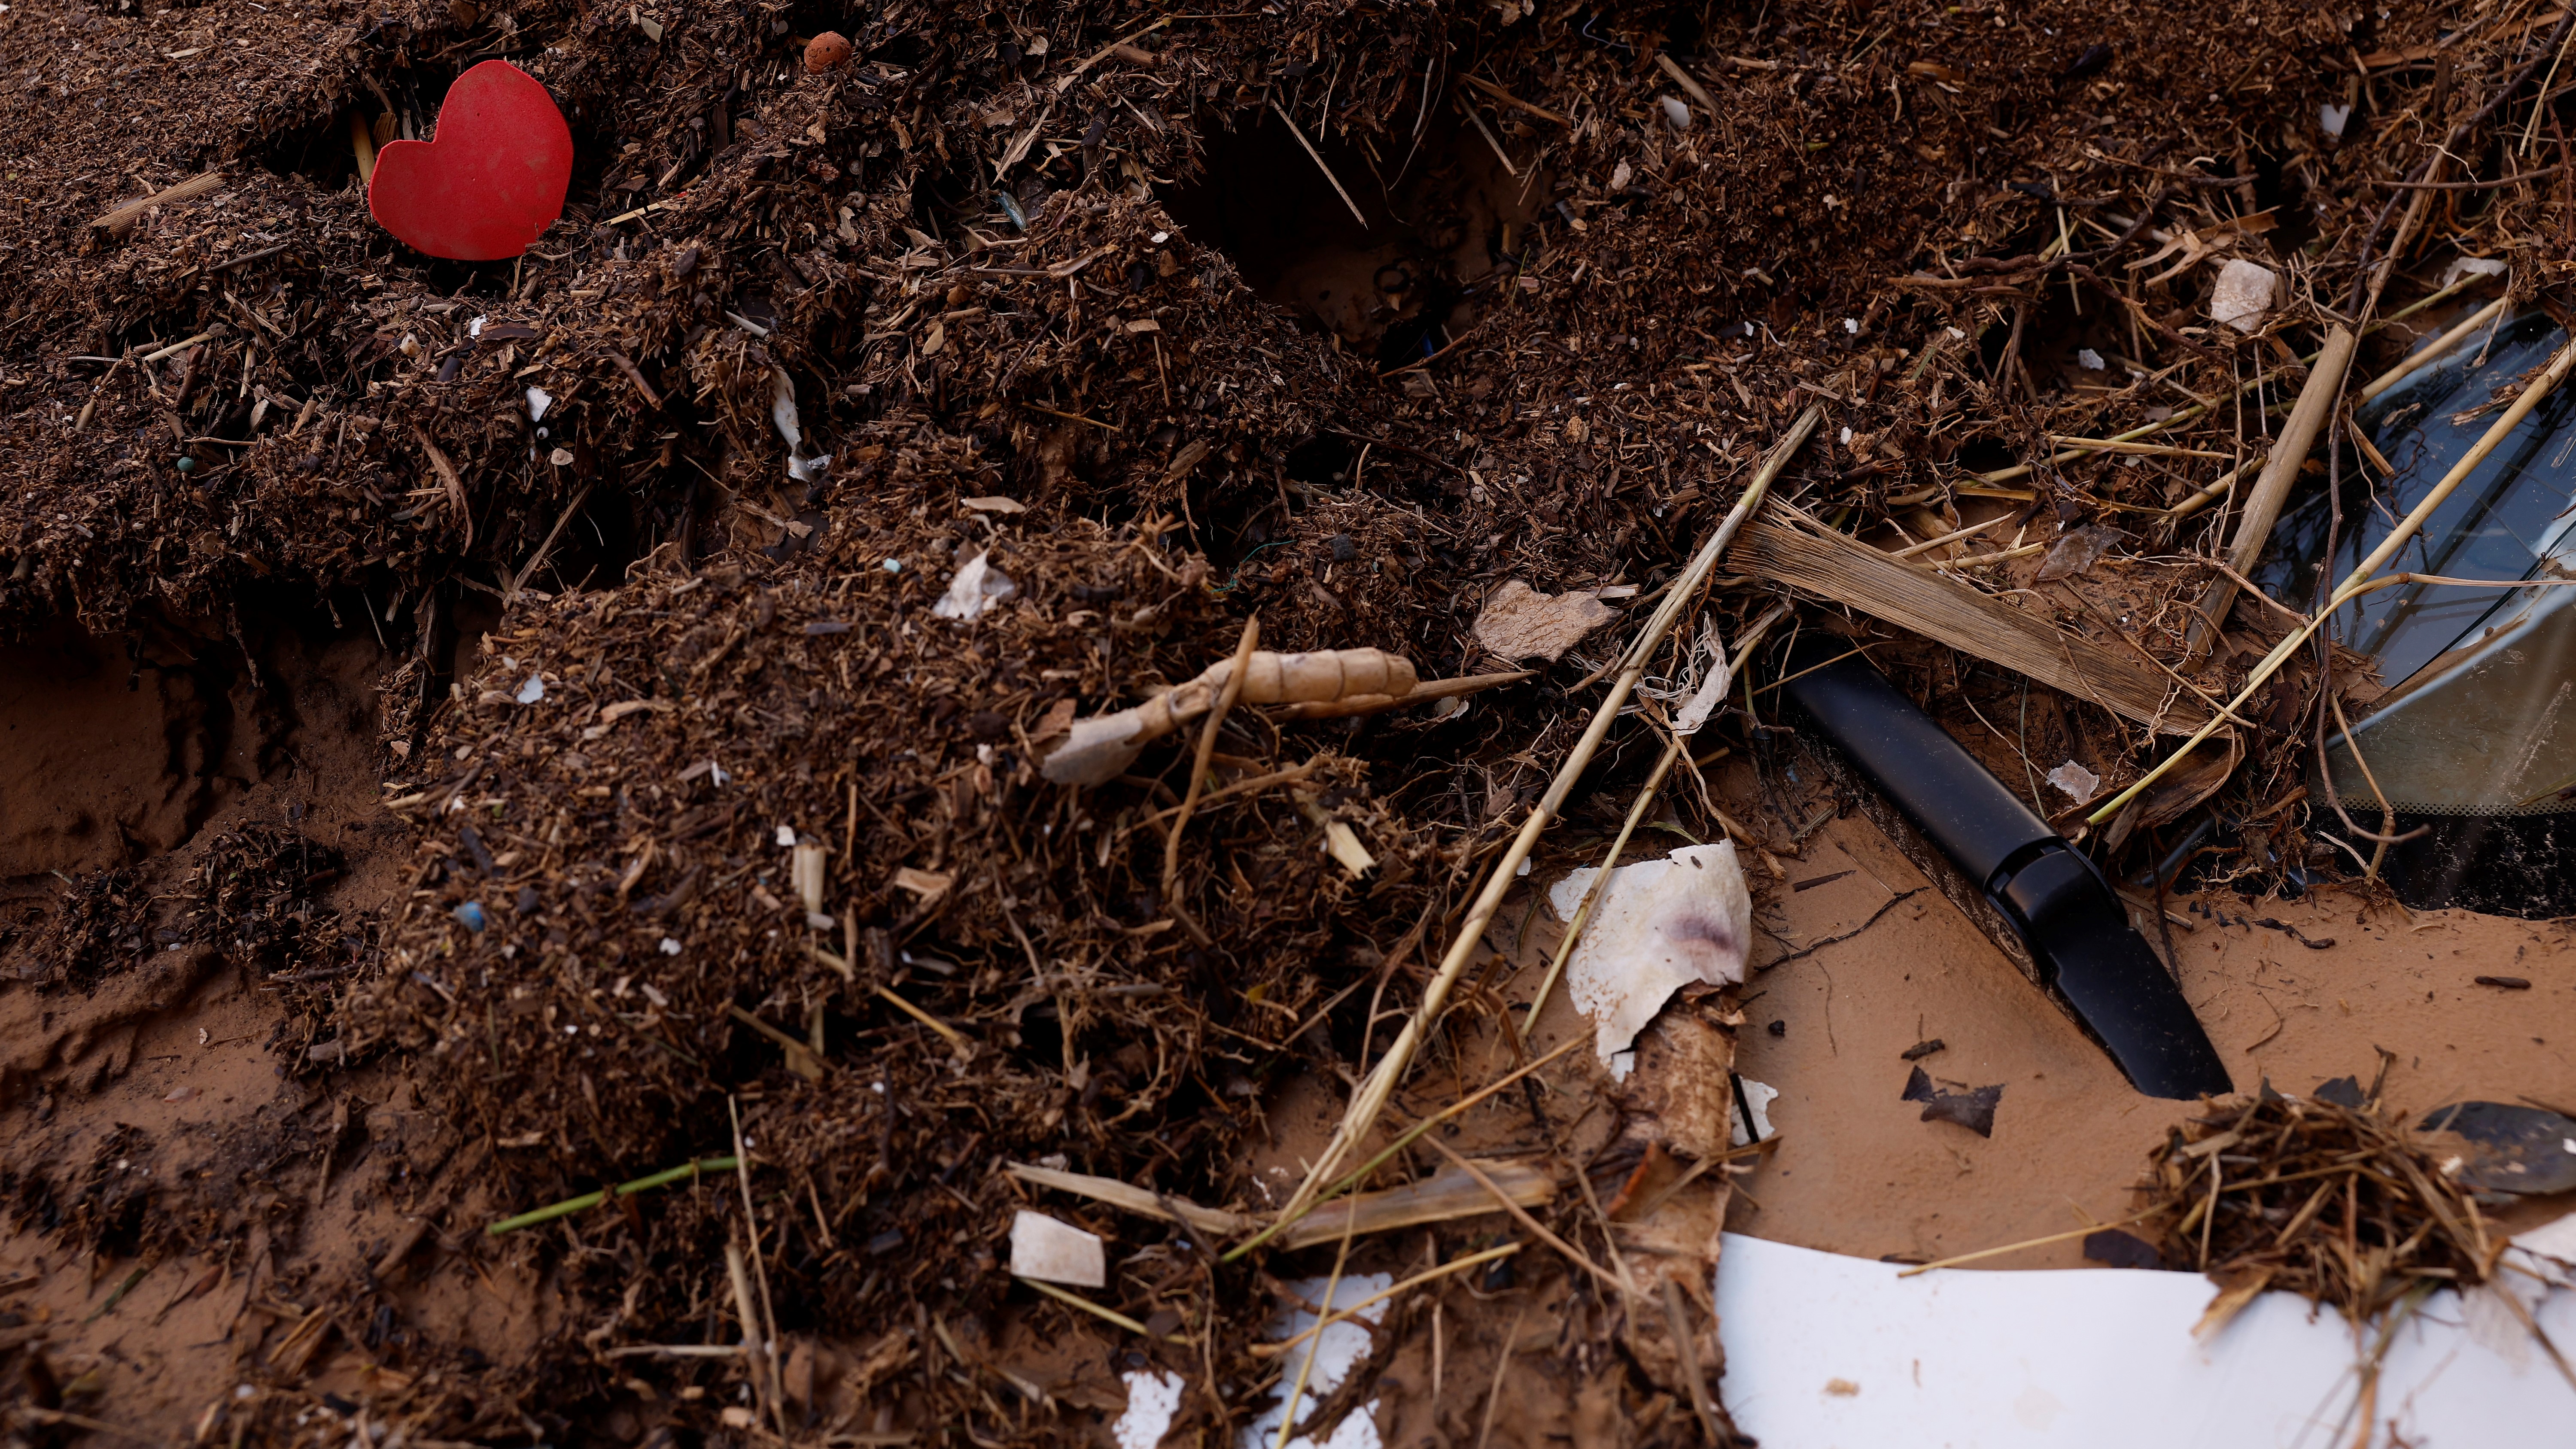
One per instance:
(522, 749)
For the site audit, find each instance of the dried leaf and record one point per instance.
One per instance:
(2077, 550)
(1519, 622)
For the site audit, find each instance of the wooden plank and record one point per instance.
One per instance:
(1839, 567)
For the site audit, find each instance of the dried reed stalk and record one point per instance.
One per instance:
(2341, 1205)
(2272, 489)
(1371, 1098)
(1839, 567)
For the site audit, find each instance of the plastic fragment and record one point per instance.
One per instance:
(1054, 1252)
(2243, 295)
(976, 587)
(1758, 1097)
(2079, 783)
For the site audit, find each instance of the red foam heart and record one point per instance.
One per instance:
(490, 179)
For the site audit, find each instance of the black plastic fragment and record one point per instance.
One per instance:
(2113, 1248)
(2068, 927)
(2511, 1148)
(1969, 1107)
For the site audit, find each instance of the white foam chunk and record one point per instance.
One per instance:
(1153, 1398)
(1337, 1351)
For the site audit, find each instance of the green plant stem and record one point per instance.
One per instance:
(589, 1200)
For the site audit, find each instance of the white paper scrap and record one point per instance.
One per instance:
(1054, 1252)
(1660, 925)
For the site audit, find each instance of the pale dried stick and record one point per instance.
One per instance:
(1502, 1366)
(1371, 1099)
(2191, 413)
(1225, 699)
(763, 1352)
(2431, 352)
(1521, 1215)
(1679, 1322)
(1106, 1315)
(1314, 1350)
(1403, 1140)
(1981, 1254)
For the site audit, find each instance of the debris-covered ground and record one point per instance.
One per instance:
(482, 734)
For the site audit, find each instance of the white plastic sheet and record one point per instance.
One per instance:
(1831, 1352)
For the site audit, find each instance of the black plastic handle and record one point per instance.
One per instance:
(2074, 928)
